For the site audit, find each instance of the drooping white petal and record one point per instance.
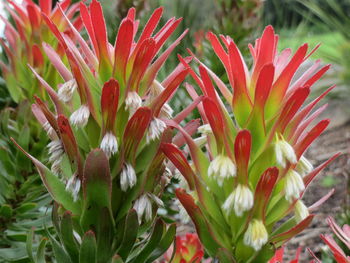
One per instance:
(256, 235)
(294, 185)
(240, 200)
(66, 91)
(109, 144)
(73, 186)
(222, 167)
(143, 207)
(80, 117)
(155, 129)
(284, 152)
(205, 129)
(304, 167)
(127, 177)
(48, 128)
(132, 102)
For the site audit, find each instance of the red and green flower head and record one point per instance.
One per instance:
(106, 122)
(248, 170)
(188, 249)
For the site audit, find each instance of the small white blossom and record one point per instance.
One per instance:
(223, 167)
(73, 186)
(56, 152)
(294, 185)
(132, 102)
(143, 206)
(48, 128)
(80, 117)
(155, 89)
(300, 211)
(155, 129)
(166, 111)
(256, 235)
(205, 129)
(284, 151)
(109, 144)
(240, 200)
(66, 91)
(127, 177)
(304, 167)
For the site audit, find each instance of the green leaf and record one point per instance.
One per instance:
(6, 211)
(40, 254)
(225, 256)
(152, 243)
(29, 245)
(130, 230)
(164, 244)
(97, 213)
(67, 236)
(60, 253)
(88, 249)
(54, 185)
(26, 207)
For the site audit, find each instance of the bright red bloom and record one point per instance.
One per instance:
(188, 250)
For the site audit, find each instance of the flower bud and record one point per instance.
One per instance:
(294, 185)
(284, 152)
(304, 166)
(109, 144)
(80, 117)
(127, 177)
(240, 200)
(256, 235)
(222, 167)
(66, 91)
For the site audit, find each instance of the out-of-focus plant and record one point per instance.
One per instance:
(22, 45)
(278, 257)
(106, 172)
(23, 200)
(188, 249)
(334, 16)
(343, 234)
(253, 173)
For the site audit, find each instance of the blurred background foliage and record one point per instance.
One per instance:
(22, 198)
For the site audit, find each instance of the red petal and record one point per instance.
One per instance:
(264, 190)
(291, 106)
(109, 104)
(122, 49)
(134, 131)
(285, 236)
(46, 6)
(158, 103)
(142, 61)
(243, 143)
(305, 142)
(180, 162)
(99, 26)
(216, 122)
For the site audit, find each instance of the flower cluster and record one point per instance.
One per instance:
(24, 44)
(106, 122)
(253, 171)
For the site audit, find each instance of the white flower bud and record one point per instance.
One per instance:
(155, 129)
(127, 177)
(304, 167)
(222, 167)
(109, 144)
(80, 117)
(284, 151)
(256, 235)
(301, 211)
(66, 91)
(240, 200)
(294, 185)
